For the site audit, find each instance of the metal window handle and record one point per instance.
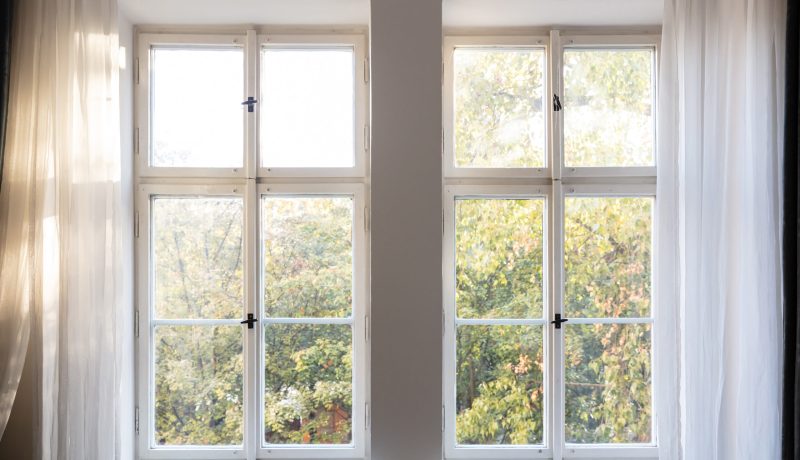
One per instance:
(556, 103)
(250, 102)
(249, 321)
(558, 321)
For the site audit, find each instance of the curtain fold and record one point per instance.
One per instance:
(61, 224)
(791, 379)
(720, 165)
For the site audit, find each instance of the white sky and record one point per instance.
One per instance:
(306, 107)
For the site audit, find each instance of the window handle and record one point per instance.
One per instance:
(558, 321)
(249, 321)
(250, 102)
(556, 103)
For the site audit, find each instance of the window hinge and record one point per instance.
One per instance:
(366, 328)
(136, 420)
(442, 146)
(137, 71)
(366, 219)
(366, 70)
(442, 418)
(136, 224)
(366, 138)
(443, 323)
(366, 415)
(136, 323)
(136, 141)
(442, 221)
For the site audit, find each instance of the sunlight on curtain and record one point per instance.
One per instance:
(61, 225)
(719, 228)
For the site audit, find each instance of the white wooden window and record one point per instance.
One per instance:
(252, 249)
(549, 175)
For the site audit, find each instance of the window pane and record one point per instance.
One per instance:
(308, 256)
(197, 257)
(607, 257)
(196, 107)
(499, 385)
(607, 383)
(499, 110)
(198, 387)
(308, 396)
(499, 258)
(608, 107)
(307, 108)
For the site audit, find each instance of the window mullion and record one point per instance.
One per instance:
(252, 337)
(251, 118)
(556, 265)
(555, 83)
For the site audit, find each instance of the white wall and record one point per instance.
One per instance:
(406, 59)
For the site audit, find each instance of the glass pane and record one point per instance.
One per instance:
(499, 385)
(499, 258)
(308, 256)
(196, 107)
(608, 107)
(307, 108)
(308, 394)
(499, 110)
(197, 257)
(607, 257)
(607, 383)
(198, 385)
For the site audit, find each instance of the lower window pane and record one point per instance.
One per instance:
(499, 385)
(198, 385)
(608, 383)
(308, 395)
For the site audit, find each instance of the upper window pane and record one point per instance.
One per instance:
(607, 256)
(499, 258)
(499, 111)
(308, 256)
(307, 107)
(196, 113)
(608, 107)
(197, 257)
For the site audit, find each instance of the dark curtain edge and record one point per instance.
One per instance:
(5, 73)
(791, 383)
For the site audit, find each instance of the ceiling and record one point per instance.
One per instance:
(457, 13)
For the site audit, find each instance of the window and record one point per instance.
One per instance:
(251, 246)
(549, 175)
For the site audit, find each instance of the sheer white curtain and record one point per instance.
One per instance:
(719, 227)
(62, 226)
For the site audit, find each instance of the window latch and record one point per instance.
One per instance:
(556, 103)
(558, 321)
(249, 321)
(250, 102)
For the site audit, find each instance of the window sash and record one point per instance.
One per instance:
(555, 182)
(251, 42)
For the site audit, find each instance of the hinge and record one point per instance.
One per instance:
(136, 224)
(136, 323)
(366, 415)
(442, 221)
(442, 146)
(366, 138)
(137, 71)
(366, 219)
(443, 323)
(442, 74)
(366, 328)
(442, 418)
(366, 70)
(136, 420)
(136, 141)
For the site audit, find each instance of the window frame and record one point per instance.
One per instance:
(248, 183)
(555, 182)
